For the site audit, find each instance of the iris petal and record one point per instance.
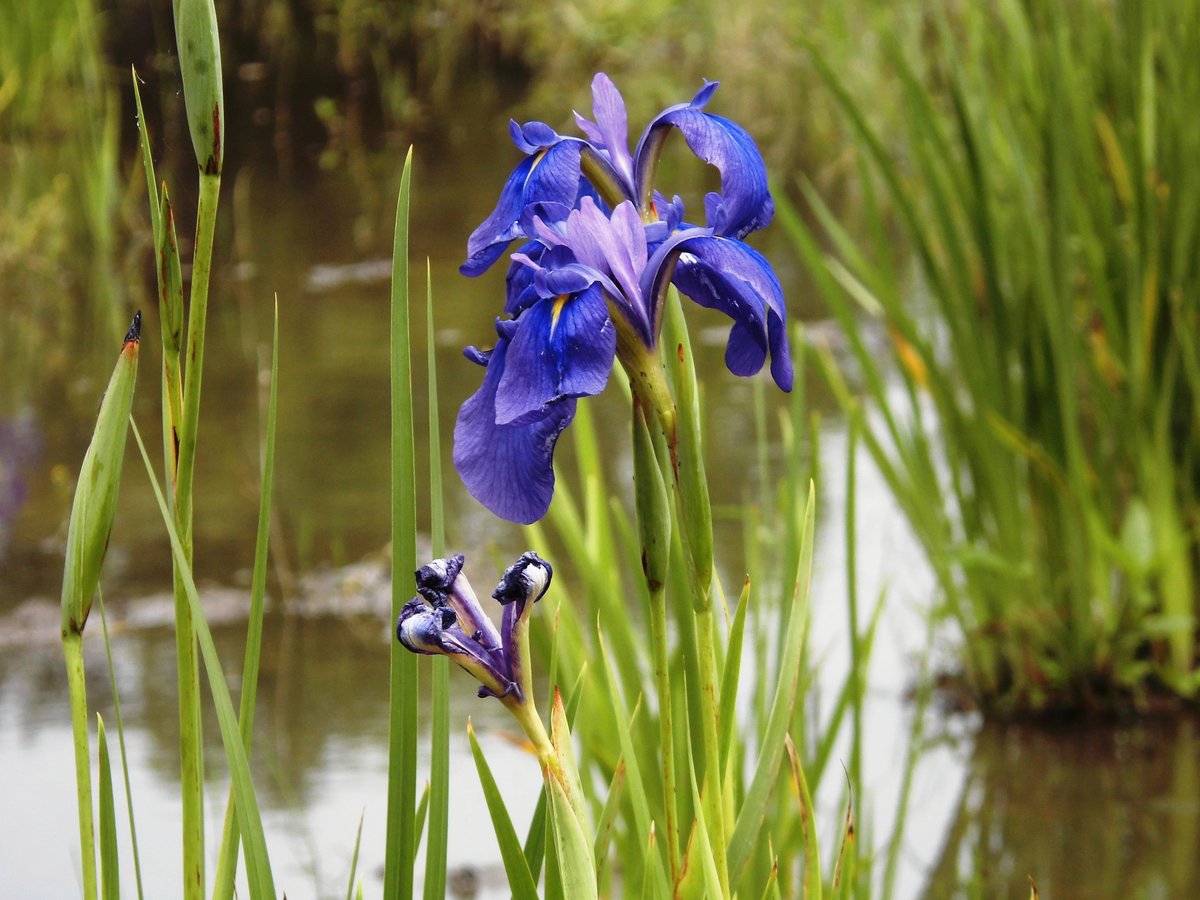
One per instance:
(721, 143)
(610, 130)
(726, 145)
(508, 468)
(564, 347)
(551, 176)
(736, 279)
(519, 287)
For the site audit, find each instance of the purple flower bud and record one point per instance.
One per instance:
(446, 619)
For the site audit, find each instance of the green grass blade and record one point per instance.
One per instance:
(731, 673)
(110, 876)
(419, 817)
(750, 817)
(812, 855)
(520, 879)
(608, 815)
(77, 685)
(535, 840)
(112, 679)
(354, 862)
(147, 159)
(572, 848)
(402, 712)
(654, 879)
(439, 740)
(258, 865)
(701, 844)
(227, 860)
(637, 791)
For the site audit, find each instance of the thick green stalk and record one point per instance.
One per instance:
(191, 745)
(73, 651)
(666, 729)
(206, 222)
(191, 760)
(714, 807)
(646, 377)
(654, 527)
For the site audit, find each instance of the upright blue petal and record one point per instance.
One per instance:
(508, 468)
(614, 246)
(610, 132)
(563, 347)
(736, 279)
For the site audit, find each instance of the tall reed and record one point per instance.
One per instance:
(1036, 410)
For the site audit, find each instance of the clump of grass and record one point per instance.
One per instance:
(1037, 413)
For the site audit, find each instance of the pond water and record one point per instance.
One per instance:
(1089, 813)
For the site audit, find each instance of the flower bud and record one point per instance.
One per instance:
(200, 66)
(95, 503)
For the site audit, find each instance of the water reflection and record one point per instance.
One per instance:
(320, 756)
(1091, 812)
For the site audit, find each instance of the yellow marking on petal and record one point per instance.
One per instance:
(559, 302)
(537, 160)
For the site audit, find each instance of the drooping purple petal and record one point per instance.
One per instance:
(508, 468)
(563, 347)
(550, 176)
(781, 353)
(746, 350)
(660, 268)
(736, 279)
(721, 143)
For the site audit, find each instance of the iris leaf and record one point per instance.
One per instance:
(516, 867)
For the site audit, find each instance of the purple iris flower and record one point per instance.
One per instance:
(586, 282)
(446, 619)
(559, 171)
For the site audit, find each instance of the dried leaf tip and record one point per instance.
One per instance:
(135, 329)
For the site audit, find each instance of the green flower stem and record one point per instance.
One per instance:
(648, 382)
(206, 221)
(191, 746)
(191, 761)
(73, 651)
(662, 677)
(654, 527)
(531, 723)
(713, 797)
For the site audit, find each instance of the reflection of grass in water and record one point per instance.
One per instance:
(1088, 812)
(58, 146)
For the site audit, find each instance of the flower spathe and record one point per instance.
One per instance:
(589, 282)
(446, 618)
